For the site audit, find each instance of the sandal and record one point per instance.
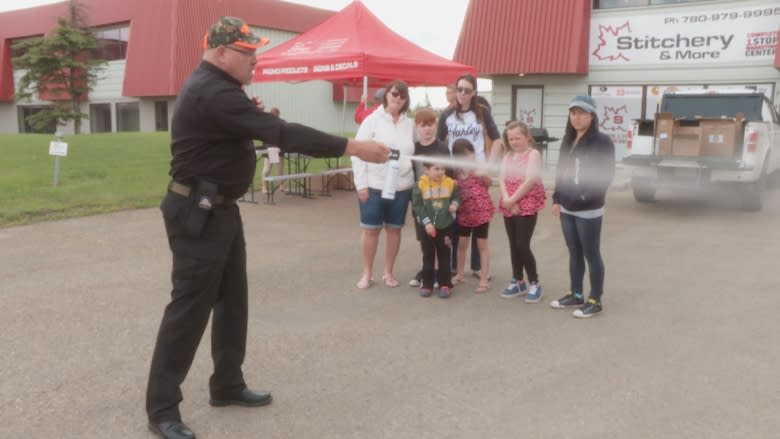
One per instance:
(364, 282)
(457, 280)
(390, 281)
(482, 288)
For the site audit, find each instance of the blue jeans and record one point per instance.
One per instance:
(583, 238)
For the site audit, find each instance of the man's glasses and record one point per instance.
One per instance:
(246, 53)
(396, 94)
(464, 90)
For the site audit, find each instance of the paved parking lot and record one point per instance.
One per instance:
(686, 348)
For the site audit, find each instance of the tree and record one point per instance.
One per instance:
(60, 68)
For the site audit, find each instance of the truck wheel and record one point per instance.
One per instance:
(753, 199)
(644, 192)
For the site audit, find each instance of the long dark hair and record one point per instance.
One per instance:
(474, 105)
(571, 134)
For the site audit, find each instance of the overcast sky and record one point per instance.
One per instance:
(434, 26)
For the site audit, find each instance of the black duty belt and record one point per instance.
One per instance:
(184, 190)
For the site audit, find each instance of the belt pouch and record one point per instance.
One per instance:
(202, 201)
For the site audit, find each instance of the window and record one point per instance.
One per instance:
(16, 51)
(161, 115)
(100, 118)
(29, 110)
(663, 2)
(610, 4)
(111, 43)
(128, 117)
(618, 106)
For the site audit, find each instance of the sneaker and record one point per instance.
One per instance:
(514, 289)
(568, 300)
(445, 292)
(436, 276)
(534, 293)
(590, 309)
(425, 292)
(417, 281)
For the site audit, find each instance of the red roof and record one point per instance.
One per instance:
(529, 36)
(350, 45)
(165, 35)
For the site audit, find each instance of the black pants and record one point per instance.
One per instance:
(519, 230)
(431, 249)
(476, 262)
(209, 274)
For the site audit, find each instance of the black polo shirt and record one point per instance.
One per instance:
(214, 123)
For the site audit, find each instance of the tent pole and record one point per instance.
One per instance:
(365, 89)
(343, 117)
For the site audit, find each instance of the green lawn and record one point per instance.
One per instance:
(101, 173)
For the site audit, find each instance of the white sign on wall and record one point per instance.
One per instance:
(712, 36)
(617, 106)
(528, 106)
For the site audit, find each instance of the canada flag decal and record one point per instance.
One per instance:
(614, 118)
(606, 49)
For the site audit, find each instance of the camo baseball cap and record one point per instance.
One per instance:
(232, 30)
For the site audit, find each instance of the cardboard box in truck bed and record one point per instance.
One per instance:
(686, 141)
(700, 137)
(720, 137)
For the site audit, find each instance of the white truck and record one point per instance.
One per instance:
(701, 138)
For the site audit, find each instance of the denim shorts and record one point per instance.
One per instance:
(377, 212)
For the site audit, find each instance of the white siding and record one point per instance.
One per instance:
(9, 122)
(558, 91)
(310, 103)
(109, 83)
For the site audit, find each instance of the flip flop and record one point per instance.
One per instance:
(364, 283)
(482, 288)
(390, 281)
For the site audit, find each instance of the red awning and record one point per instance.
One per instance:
(353, 44)
(529, 36)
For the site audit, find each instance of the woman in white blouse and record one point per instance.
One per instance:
(390, 125)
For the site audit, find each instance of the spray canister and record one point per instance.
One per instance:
(392, 170)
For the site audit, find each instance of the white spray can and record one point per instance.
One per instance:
(391, 175)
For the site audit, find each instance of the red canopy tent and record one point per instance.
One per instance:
(354, 46)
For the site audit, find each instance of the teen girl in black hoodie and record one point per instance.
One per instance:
(586, 166)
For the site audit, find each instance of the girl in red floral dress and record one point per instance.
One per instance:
(474, 213)
(522, 196)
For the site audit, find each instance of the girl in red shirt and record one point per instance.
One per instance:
(474, 213)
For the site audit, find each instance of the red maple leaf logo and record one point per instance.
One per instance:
(608, 34)
(614, 118)
(527, 117)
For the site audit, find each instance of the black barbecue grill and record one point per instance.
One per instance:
(541, 138)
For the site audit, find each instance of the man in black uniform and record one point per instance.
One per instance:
(213, 163)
